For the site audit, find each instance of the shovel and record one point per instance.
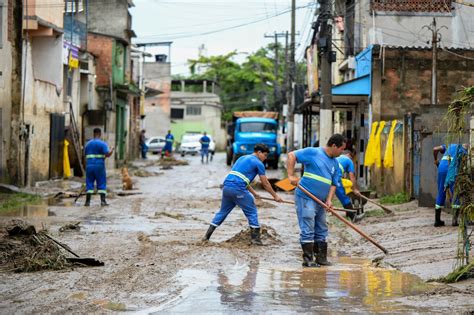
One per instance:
(85, 261)
(292, 203)
(385, 209)
(337, 215)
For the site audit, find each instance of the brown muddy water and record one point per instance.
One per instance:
(351, 285)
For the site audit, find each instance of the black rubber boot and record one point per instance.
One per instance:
(209, 232)
(88, 200)
(455, 217)
(255, 236)
(308, 255)
(438, 221)
(103, 202)
(321, 253)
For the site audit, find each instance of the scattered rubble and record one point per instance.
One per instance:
(268, 236)
(70, 227)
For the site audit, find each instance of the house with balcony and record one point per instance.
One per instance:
(118, 97)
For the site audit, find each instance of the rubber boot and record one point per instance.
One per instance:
(438, 221)
(88, 200)
(103, 202)
(455, 217)
(209, 232)
(308, 255)
(255, 236)
(321, 253)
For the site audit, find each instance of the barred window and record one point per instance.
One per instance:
(193, 110)
(444, 6)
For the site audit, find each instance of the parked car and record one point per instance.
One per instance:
(190, 144)
(155, 144)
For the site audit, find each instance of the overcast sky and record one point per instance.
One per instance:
(184, 21)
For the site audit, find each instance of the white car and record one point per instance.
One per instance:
(190, 144)
(155, 144)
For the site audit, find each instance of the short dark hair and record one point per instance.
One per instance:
(337, 139)
(97, 131)
(261, 147)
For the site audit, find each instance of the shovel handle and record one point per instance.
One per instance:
(292, 203)
(337, 215)
(385, 209)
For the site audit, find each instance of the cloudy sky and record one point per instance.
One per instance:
(221, 26)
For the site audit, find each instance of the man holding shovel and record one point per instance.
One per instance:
(346, 167)
(320, 177)
(237, 191)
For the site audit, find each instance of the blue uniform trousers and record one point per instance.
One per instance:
(204, 153)
(341, 195)
(96, 173)
(441, 197)
(311, 219)
(232, 197)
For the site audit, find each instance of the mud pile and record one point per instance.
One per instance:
(22, 249)
(268, 235)
(171, 161)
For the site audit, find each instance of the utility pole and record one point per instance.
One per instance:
(436, 38)
(290, 100)
(325, 44)
(276, 88)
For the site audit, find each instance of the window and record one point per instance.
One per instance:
(73, 6)
(177, 113)
(258, 127)
(444, 6)
(193, 110)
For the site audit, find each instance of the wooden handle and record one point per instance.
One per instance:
(385, 209)
(292, 203)
(337, 215)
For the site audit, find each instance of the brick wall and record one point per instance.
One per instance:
(406, 81)
(101, 48)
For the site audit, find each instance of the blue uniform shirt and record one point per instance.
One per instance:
(345, 165)
(205, 140)
(169, 138)
(95, 151)
(449, 153)
(320, 171)
(244, 171)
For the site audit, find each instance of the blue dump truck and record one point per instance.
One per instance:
(249, 128)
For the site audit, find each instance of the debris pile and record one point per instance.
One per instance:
(70, 227)
(268, 236)
(171, 161)
(22, 249)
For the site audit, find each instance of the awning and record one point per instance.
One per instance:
(359, 86)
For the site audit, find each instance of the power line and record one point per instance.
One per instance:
(230, 27)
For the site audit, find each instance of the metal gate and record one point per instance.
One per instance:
(56, 146)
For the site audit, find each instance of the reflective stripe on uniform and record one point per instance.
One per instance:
(317, 177)
(169, 140)
(242, 176)
(342, 168)
(95, 156)
(446, 157)
(102, 191)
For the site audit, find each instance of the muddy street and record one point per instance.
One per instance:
(155, 261)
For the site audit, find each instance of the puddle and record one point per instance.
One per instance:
(351, 285)
(38, 209)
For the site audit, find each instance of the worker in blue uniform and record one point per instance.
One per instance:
(237, 191)
(449, 153)
(320, 177)
(96, 151)
(168, 148)
(205, 141)
(347, 169)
